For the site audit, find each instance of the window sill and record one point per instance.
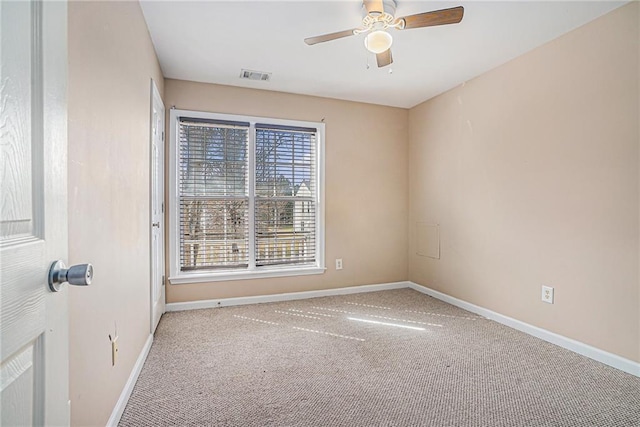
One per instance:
(243, 275)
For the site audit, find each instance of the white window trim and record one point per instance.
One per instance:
(178, 277)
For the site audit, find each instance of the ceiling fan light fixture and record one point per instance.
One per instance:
(378, 41)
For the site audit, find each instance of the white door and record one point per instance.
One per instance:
(157, 207)
(33, 212)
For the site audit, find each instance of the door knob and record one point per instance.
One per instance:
(80, 275)
(155, 224)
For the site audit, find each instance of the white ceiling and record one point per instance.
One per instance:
(210, 41)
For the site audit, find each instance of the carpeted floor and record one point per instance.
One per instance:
(346, 361)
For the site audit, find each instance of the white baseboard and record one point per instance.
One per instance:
(594, 353)
(226, 302)
(118, 410)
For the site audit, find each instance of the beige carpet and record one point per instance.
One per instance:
(351, 361)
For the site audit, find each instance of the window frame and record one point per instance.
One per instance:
(251, 272)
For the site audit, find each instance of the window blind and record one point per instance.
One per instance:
(213, 194)
(285, 195)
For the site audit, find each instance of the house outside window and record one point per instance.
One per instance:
(246, 197)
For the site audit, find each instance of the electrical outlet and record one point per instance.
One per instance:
(114, 351)
(547, 294)
(338, 263)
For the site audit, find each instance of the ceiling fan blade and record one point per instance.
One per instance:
(373, 6)
(430, 19)
(384, 58)
(328, 37)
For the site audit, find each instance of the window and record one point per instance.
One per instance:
(245, 197)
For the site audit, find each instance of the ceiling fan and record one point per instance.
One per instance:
(379, 17)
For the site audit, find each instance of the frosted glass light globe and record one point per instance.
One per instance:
(378, 41)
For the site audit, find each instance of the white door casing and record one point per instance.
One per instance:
(157, 207)
(34, 380)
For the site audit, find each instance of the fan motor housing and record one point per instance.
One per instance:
(388, 6)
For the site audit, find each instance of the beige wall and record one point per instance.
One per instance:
(531, 170)
(111, 62)
(366, 192)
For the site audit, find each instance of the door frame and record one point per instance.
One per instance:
(156, 99)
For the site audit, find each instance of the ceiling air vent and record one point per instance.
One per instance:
(255, 75)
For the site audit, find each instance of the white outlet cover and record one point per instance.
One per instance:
(547, 294)
(339, 264)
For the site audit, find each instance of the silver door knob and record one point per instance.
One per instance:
(80, 275)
